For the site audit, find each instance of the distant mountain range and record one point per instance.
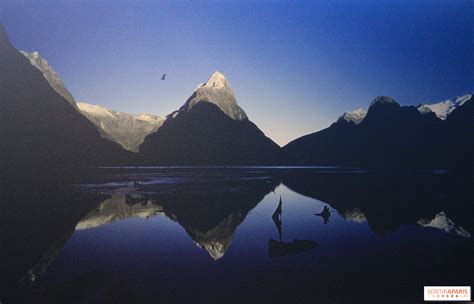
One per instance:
(210, 128)
(392, 135)
(128, 130)
(445, 108)
(440, 109)
(41, 122)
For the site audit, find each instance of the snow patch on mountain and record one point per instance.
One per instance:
(444, 108)
(148, 117)
(217, 91)
(128, 130)
(355, 116)
(95, 110)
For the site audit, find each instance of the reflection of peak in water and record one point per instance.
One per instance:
(119, 207)
(217, 240)
(442, 222)
(389, 199)
(46, 260)
(211, 215)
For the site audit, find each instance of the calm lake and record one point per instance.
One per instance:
(248, 234)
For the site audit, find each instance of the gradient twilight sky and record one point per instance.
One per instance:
(294, 66)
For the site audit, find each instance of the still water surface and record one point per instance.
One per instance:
(251, 234)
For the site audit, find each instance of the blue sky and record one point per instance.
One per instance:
(294, 66)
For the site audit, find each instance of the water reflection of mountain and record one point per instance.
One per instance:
(41, 217)
(38, 215)
(210, 225)
(46, 260)
(37, 219)
(354, 215)
(210, 214)
(119, 207)
(388, 200)
(442, 222)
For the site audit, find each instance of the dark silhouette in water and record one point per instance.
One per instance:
(277, 218)
(51, 213)
(36, 221)
(219, 210)
(325, 214)
(278, 249)
(39, 215)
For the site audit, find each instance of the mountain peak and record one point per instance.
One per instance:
(217, 91)
(217, 80)
(383, 99)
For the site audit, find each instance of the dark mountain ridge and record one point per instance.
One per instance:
(210, 129)
(38, 127)
(389, 136)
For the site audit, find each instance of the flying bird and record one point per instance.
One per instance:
(163, 77)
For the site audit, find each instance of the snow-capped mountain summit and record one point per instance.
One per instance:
(218, 91)
(355, 116)
(49, 74)
(382, 100)
(128, 130)
(209, 129)
(444, 108)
